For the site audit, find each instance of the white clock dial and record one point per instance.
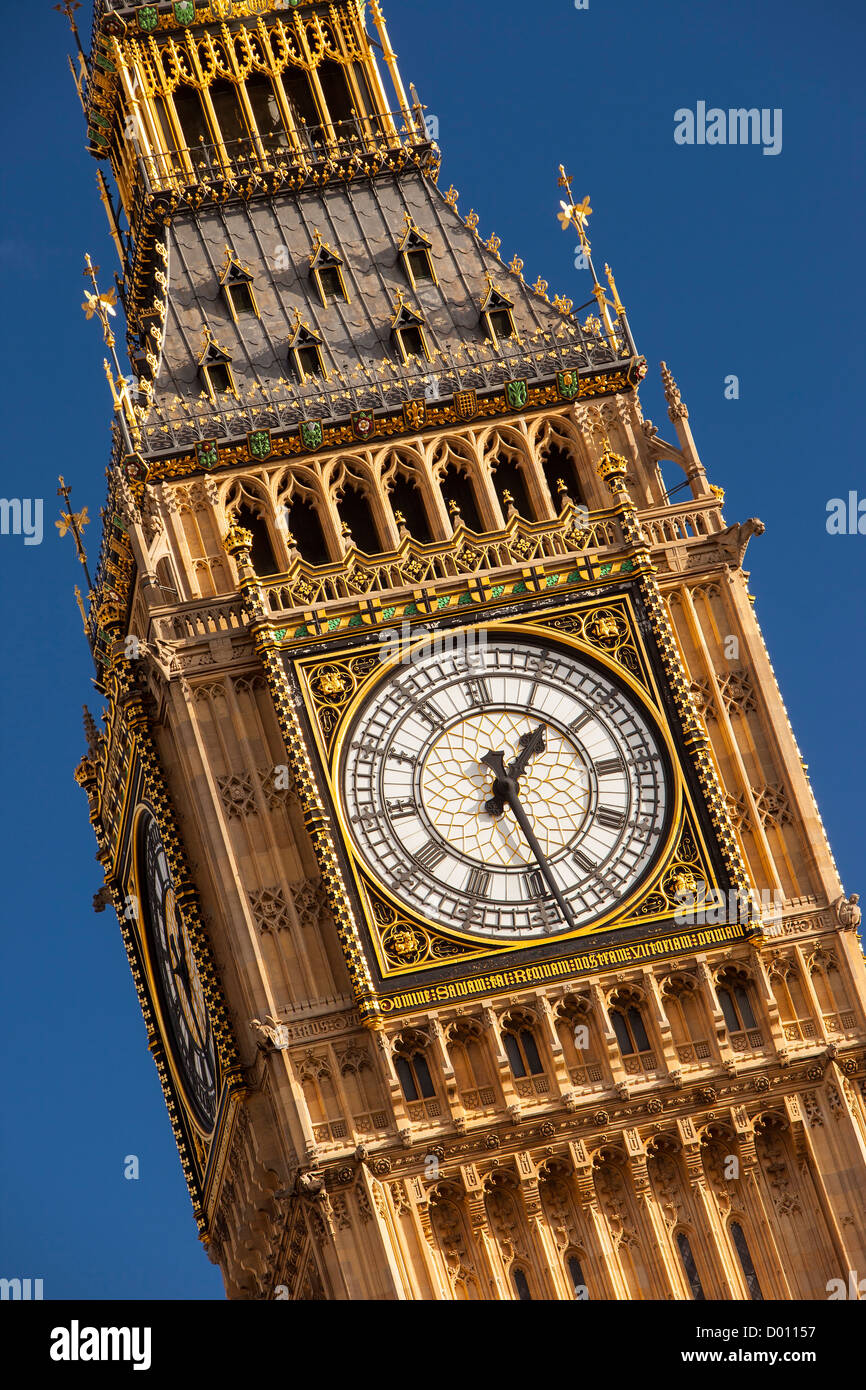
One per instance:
(417, 793)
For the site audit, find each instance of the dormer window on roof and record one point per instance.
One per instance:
(408, 329)
(236, 281)
(416, 253)
(214, 365)
(305, 351)
(497, 315)
(327, 270)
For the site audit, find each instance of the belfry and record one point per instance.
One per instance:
(435, 727)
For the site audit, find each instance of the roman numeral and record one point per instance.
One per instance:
(430, 714)
(431, 855)
(479, 691)
(400, 756)
(401, 808)
(581, 723)
(608, 767)
(583, 861)
(613, 820)
(534, 885)
(478, 883)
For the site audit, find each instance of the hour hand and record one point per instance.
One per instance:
(496, 762)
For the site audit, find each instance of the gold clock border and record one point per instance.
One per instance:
(425, 946)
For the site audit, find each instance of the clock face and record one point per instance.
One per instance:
(181, 996)
(507, 790)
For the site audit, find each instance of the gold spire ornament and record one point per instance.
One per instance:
(75, 523)
(101, 305)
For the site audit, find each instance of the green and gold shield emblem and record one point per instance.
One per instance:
(516, 394)
(207, 453)
(259, 444)
(568, 384)
(311, 434)
(184, 11)
(147, 18)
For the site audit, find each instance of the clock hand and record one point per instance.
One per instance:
(530, 744)
(505, 792)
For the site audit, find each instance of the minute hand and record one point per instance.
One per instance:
(505, 790)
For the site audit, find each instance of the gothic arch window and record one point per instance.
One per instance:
(409, 509)
(194, 127)
(795, 1013)
(521, 1045)
(734, 990)
(688, 1023)
(471, 1063)
(262, 552)
(408, 330)
(166, 580)
(362, 1091)
(357, 517)
(305, 352)
(740, 1244)
(561, 475)
(301, 99)
(215, 370)
(830, 990)
(510, 484)
(458, 495)
(326, 268)
(236, 282)
(416, 254)
(337, 93)
(265, 106)
(690, 1269)
(497, 315)
(521, 1284)
(627, 1021)
(231, 121)
(324, 1109)
(413, 1072)
(579, 1286)
(305, 530)
(577, 1034)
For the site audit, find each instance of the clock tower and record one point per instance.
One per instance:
(487, 937)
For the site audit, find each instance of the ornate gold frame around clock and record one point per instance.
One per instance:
(335, 683)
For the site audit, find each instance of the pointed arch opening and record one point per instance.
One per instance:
(458, 495)
(561, 475)
(356, 514)
(262, 552)
(407, 502)
(305, 529)
(510, 485)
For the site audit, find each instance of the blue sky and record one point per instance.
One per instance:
(728, 261)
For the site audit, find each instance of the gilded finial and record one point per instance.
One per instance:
(451, 197)
(75, 523)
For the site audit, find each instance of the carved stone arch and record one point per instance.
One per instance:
(573, 1006)
(735, 972)
(626, 996)
(677, 983)
(253, 489)
(452, 1231)
(465, 492)
(462, 1029)
(508, 463)
(410, 490)
(410, 1040)
(356, 496)
(518, 1016)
